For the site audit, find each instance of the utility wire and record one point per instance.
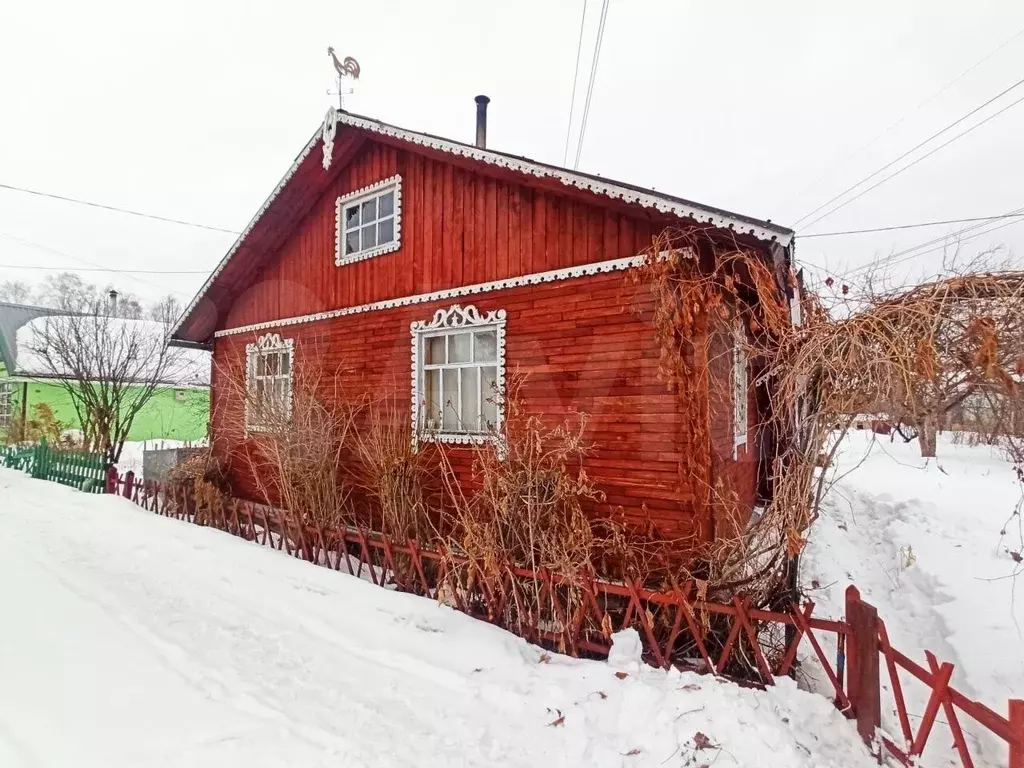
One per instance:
(105, 269)
(97, 267)
(939, 243)
(910, 152)
(905, 115)
(915, 162)
(593, 77)
(118, 210)
(909, 226)
(575, 79)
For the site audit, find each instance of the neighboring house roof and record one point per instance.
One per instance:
(22, 328)
(764, 231)
(12, 317)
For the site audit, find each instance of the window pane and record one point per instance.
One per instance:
(387, 204)
(261, 368)
(286, 362)
(352, 241)
(470, 399)
(435, 350)
(352, 217)
(458, 348)
(386, 231)
(450, 414)
(370, 210)
(369, 236)
(486, 349)
(489, 406)
(432, 400)
(272, 362)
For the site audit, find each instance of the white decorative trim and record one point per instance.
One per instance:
(762, 230)
(583, 270)
(327, 133)
(740, 388)
(647, 198)
(454, 318)
(270, 342)
(372, 190)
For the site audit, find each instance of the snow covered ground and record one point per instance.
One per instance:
(130, 639)
(922, 541)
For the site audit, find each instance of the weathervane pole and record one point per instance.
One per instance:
(348, 67)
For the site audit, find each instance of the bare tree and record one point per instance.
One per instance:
(15, 292)
(166, 311)
(69, 291)
(110, 367)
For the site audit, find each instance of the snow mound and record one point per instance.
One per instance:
(136, 640)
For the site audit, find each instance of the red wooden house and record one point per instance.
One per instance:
(433, 269)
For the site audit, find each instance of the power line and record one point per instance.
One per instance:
(97, 267)
(575, 78)
(912, 164)
(104, 269)
(910, 226)
(939, 243)
(910, 152)
(905, 115)
(116, 209)
(593, 77)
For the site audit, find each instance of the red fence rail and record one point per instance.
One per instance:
(677, 627)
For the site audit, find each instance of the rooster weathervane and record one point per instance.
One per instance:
(348, 67)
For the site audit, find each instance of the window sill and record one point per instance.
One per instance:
(380, 250)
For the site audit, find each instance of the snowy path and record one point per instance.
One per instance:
(921, 540)
(133, 640)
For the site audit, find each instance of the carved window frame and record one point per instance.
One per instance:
(452, 321)
(264, 348)
(360, 196)
(740, 387)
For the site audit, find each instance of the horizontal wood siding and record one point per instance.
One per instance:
(458, 227)
(582, 345)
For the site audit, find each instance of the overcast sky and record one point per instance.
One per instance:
(194, 110)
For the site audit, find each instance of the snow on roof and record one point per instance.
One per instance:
(182, 367)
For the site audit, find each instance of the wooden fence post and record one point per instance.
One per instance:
(1017, 733)
(129, 483)
(862, 657)
(112, 478)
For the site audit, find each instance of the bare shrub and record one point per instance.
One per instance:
(398, 481)
(525, 505)
(301, 456)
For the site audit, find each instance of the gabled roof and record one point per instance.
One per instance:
(764, 231)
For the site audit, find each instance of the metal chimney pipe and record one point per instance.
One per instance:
(481, 121)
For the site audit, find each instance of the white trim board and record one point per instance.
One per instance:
(584, 270)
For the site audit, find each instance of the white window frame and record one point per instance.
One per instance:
(264, 347)
(740, 388)
(449, 322)
(360, 196)
(6, 404)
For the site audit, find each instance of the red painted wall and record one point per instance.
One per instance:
(458, 228)
(585, 344)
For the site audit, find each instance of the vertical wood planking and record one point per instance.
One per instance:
(491, 228)
(446, 269)
(501, 263)
(458, 251)
(514, 233)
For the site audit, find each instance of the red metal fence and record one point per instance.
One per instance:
(678, 627)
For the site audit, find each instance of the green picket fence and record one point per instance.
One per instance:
(77, 469)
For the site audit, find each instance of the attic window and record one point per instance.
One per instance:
(369, 222)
